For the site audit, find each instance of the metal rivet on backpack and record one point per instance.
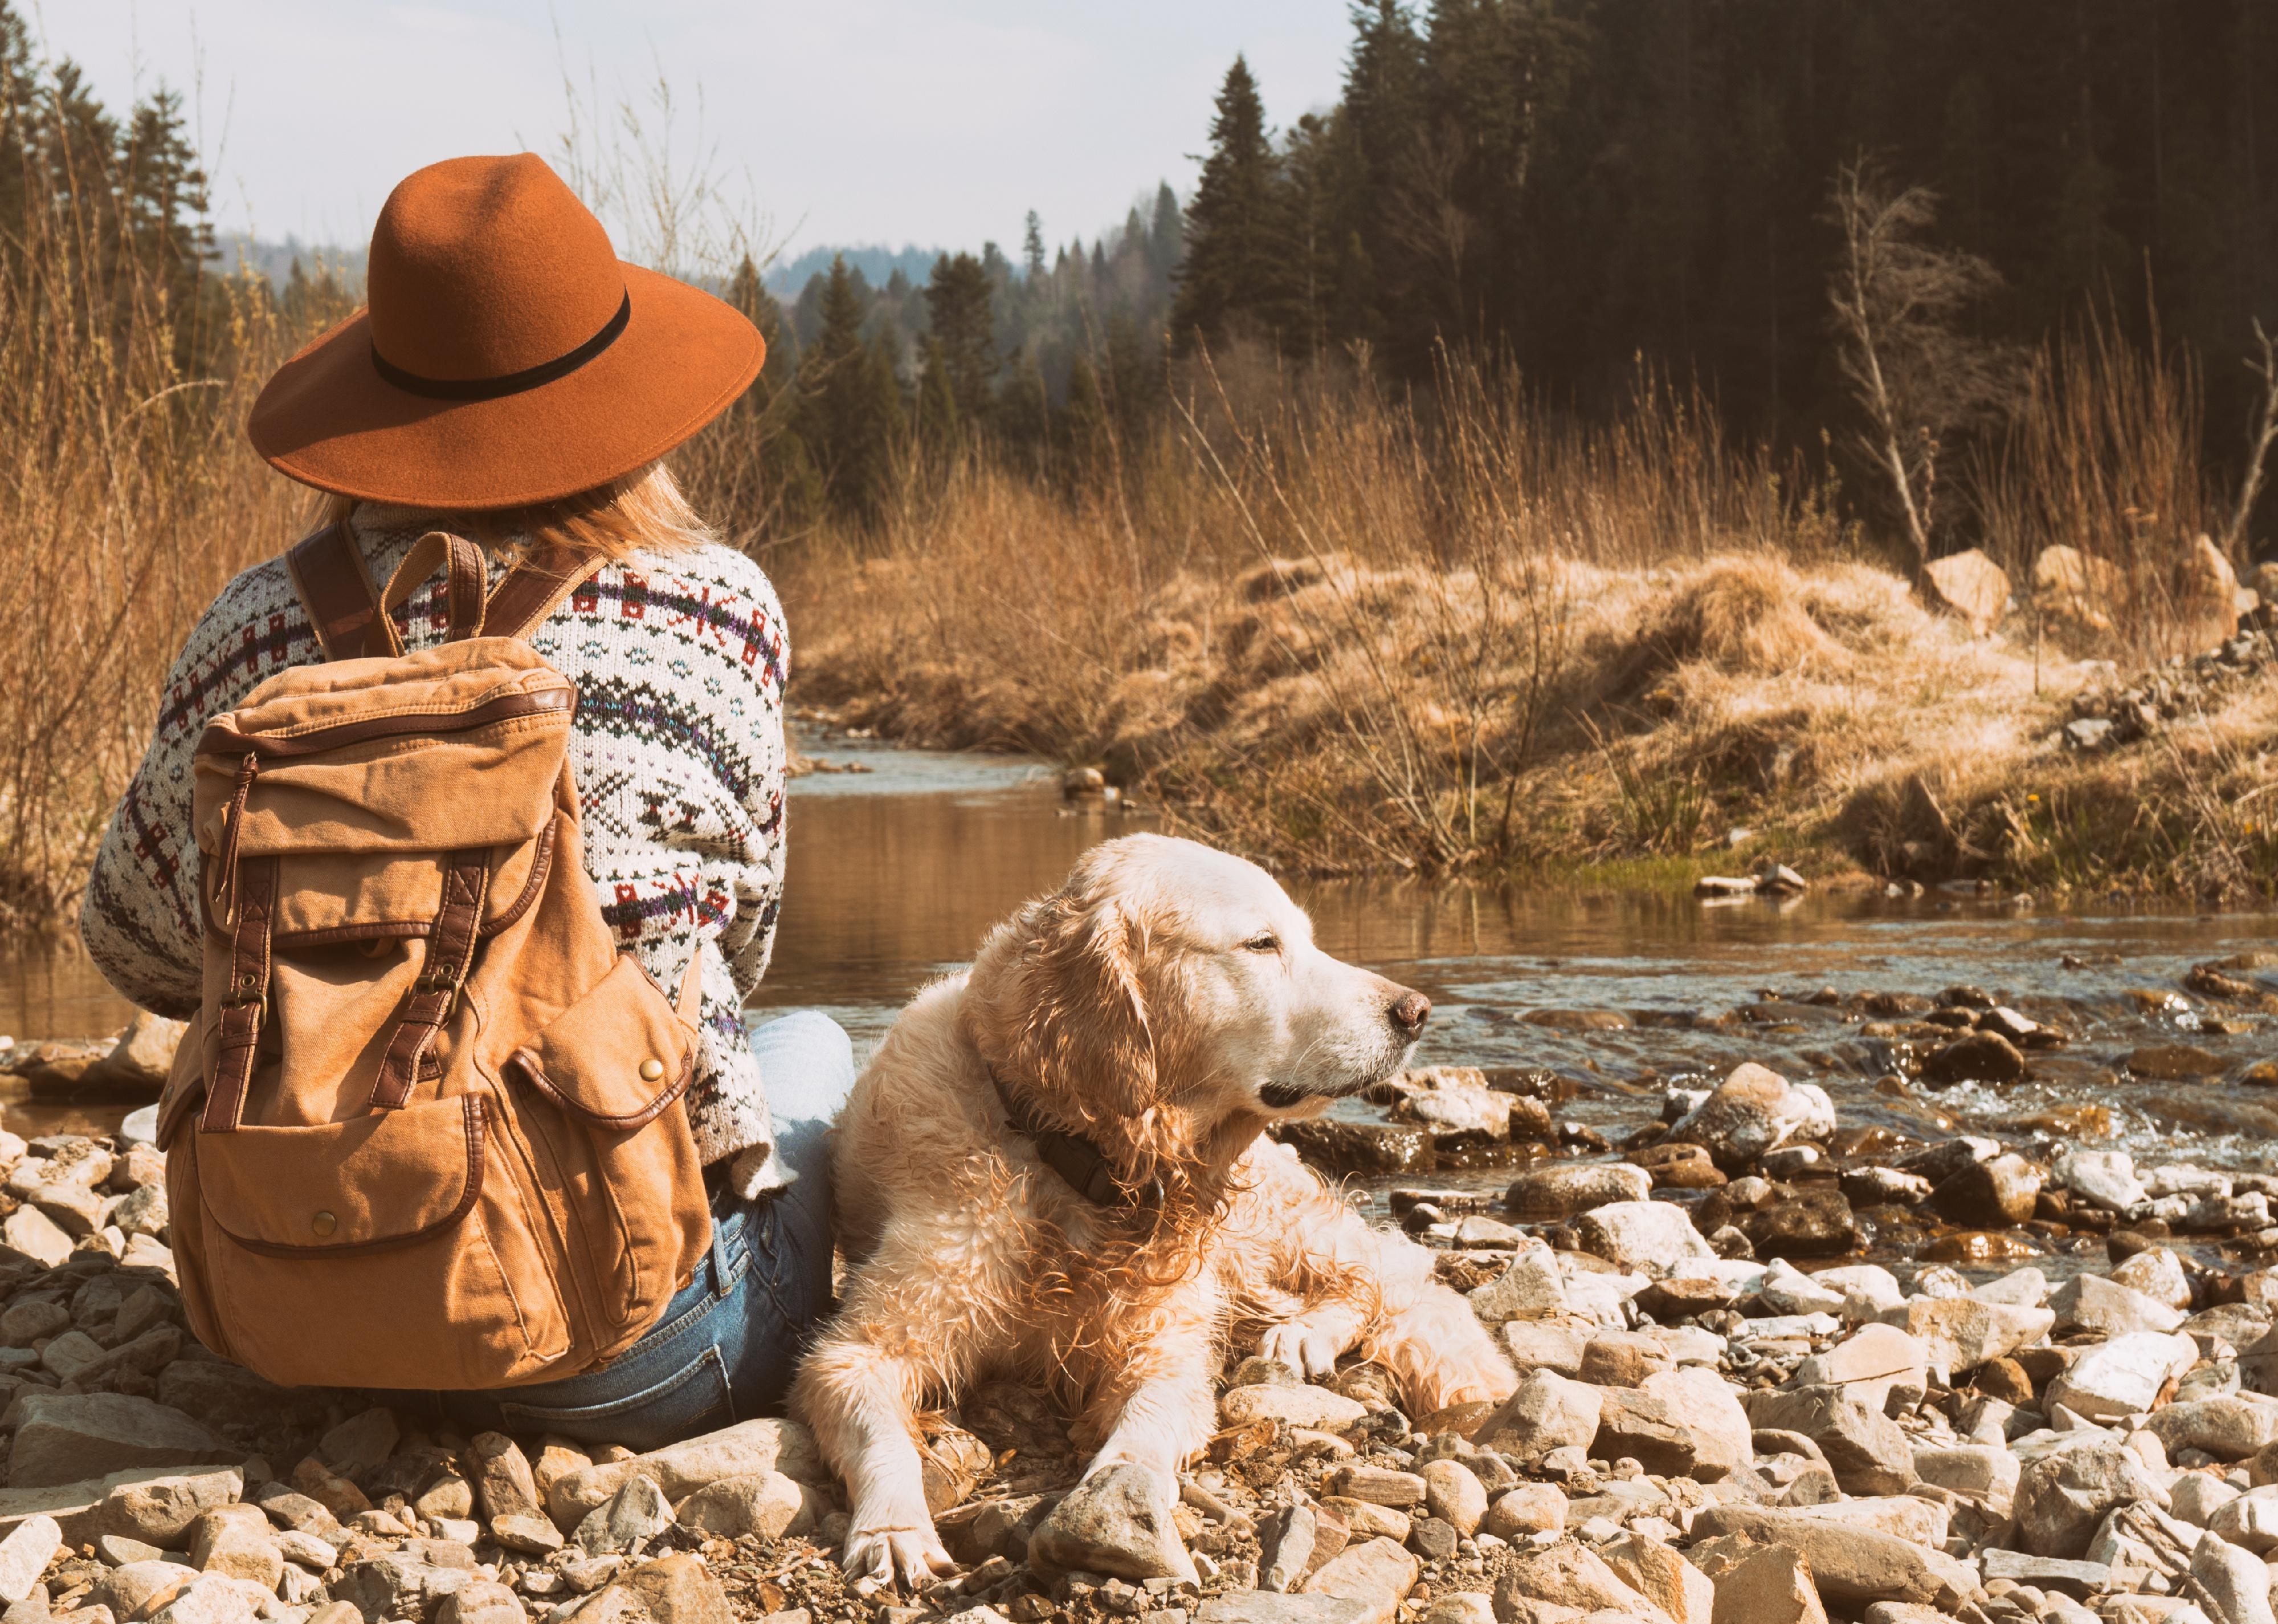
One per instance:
(651, 1070)
(323, 1224)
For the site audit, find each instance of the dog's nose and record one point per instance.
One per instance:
(1409, 1013)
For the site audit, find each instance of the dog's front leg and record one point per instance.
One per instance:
(1156, 1403)
(915, 1323)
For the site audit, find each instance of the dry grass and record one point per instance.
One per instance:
(1338, 633)
(126, 500)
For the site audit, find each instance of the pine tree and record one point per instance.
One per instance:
(938, 426)
(1032, 247)
(959, 297)
(1235, 230)
(851, 407)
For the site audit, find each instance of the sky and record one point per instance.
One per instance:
(840, 122)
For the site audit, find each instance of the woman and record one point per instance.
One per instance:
(513, 383)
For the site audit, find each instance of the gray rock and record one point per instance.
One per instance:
(528, 1535)
(1565, 1190)
(127, 1590)
(235, 1540)
(2061, 1497)
(1867, 1452)
(1286, 1542)
(1752, 1111)
(2091, 1303)
(1116, 1522)
(360, 1442)
(678, 1590)
(767, 1504)
(2079, 1580)
(1647, 1236)
(2236, 1581)
(480, 1601)
(398, 1585)
(61, 1438)
(1378, 1574)
(25, 1555)
(2229, 1429)
(1989, 1195)
(1529, 1289)
(1853, 1566)
(1547, 1412)
(636, 1513)
(1634, 1424)
(504, 1486)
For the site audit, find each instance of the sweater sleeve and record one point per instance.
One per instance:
(139, 915)
(748, 941)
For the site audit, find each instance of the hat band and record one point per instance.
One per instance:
(510, 383)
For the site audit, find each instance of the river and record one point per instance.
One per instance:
(898, 870)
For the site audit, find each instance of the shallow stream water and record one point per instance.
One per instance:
(896, 871)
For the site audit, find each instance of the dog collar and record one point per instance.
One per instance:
(1081, 1163)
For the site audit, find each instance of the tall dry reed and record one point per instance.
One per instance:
(128, 498)
(2104, 455)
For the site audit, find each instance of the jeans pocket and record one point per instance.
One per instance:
(692, 1399)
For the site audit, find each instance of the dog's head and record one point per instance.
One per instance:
(1170, 998)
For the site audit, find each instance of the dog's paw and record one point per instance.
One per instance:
(884, 1553)
(1299, 1345)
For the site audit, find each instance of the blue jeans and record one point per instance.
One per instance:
(726, 1346)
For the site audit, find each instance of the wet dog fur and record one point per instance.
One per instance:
(1168, 1004)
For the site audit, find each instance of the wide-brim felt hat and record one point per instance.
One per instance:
(506, 356)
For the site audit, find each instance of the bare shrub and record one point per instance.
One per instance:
(1916, 376)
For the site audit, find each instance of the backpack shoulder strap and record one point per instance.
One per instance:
(335, 587)
(535, 588)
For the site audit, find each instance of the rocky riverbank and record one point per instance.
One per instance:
(1726, 1414)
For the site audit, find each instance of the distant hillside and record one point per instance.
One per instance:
(877, 263)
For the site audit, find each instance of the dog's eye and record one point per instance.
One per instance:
(1266, 942)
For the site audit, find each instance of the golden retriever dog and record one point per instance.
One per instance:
(1142, 1025)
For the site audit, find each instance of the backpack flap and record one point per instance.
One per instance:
(388, 1179)
(617, 1058)
(324, 759)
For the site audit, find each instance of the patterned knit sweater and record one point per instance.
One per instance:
(676, 753)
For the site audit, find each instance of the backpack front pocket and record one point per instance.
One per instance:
(400, 1239)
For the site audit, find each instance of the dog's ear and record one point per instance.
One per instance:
(1085, 1041)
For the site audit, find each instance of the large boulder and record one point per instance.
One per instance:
(2061, 1497)
(1853, 1566)
(61, 1438)
(2124, 1376)
(1864, 1448)
(1971, 587)
(1958, 1334)
(1752, 1111)
(1551, 1194)
(1547, 1412)
(2091, 1303)
(1648, 1236)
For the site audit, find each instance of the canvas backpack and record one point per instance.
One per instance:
(427, 1131)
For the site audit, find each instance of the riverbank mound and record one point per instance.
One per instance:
(1328, 715)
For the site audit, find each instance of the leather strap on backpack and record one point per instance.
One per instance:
(535, 588)
(336, 589)
(450, 955)
(470, 575)
(246, 1007)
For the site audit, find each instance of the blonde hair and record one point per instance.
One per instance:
(641, 512)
